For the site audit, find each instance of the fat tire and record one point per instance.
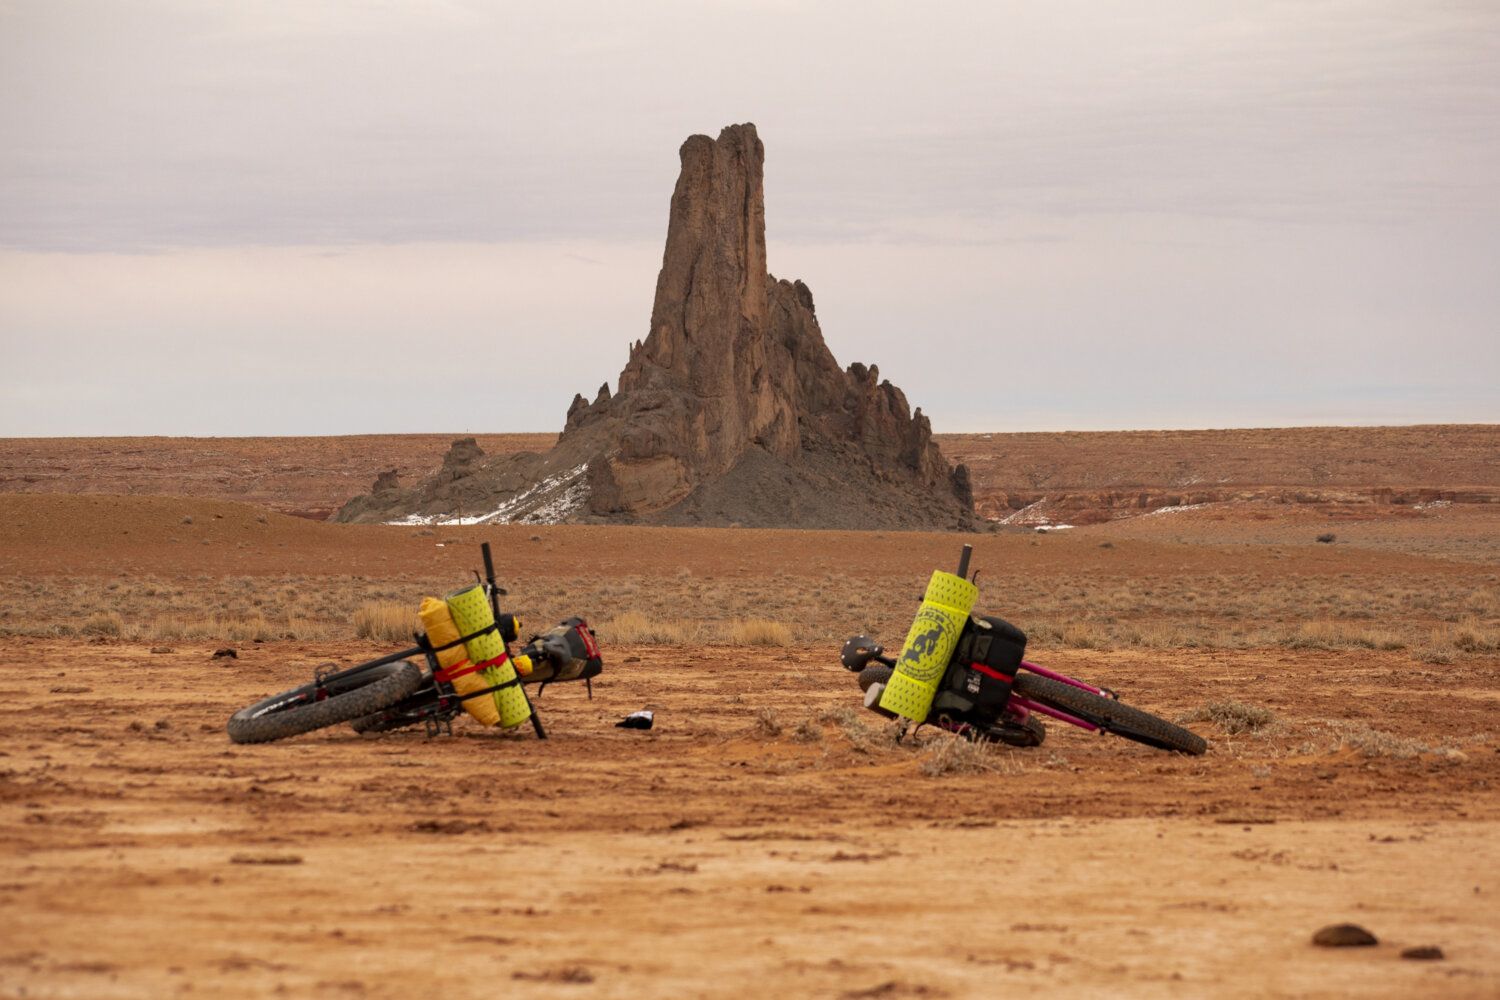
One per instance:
(875, 673)
(1110, 715)
(375, 689)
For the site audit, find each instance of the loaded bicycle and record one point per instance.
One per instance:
(462, 662)
(966, 673)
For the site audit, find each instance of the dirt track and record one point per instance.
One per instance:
(148, 856)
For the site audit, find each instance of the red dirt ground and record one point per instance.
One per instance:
(145, 855)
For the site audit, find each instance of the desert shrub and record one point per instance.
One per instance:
(759, 632)
(1232, 716)
(385, 621)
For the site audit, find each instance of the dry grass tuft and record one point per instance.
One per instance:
(103, 623)
(635, 627)
(808, 731)
(956, 755)
(1377, 742)
(766, 722)
(759, 632)
(1232, 716)
(385, 621)
(1343, 635)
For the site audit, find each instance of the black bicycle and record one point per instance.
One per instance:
(393, 691)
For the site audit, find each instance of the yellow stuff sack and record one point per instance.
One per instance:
(438, 622)
(929, 645)
(471, 613)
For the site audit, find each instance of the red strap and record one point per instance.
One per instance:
(589, 645)
(469, 668)
(991, 672)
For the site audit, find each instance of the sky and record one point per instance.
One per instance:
(316, 217)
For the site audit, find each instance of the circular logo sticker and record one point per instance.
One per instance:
(920, 660)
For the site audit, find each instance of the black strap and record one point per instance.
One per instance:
(491, 627)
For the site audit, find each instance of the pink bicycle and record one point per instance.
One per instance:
(988, 691)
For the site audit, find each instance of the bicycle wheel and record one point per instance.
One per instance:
(875, 673)
(1030, 733)
(382, 722)
(299, 710)
(1109, 715)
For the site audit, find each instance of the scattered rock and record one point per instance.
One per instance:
(163, 649)
(1424, 953)
(568, 974)
(188, 519)
(449, 826)
(228, 652)
(1344, 936)
(266, 859)
(387, 482)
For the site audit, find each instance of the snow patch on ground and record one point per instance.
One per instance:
(1174, 510)
(1433, 505)
(1029, 513)
(550, 501)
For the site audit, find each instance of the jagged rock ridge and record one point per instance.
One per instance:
(731, 410)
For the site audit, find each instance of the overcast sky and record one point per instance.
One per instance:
(307, 217)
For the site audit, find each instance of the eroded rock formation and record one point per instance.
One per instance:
(731, 410)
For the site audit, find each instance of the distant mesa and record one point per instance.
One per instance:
(731, 411)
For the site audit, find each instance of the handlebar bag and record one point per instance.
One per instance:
(566, 652)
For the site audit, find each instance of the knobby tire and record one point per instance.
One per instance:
(292, 713)
(1110, 715)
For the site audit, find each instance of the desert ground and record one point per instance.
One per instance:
(767, 836)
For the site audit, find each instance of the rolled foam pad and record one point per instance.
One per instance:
(929, 645)
(441, 630)
(471, 612)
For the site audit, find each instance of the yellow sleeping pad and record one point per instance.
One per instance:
(929, 645)
(441, 630)
(471, 612)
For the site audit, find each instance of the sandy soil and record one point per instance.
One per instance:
(147, 856)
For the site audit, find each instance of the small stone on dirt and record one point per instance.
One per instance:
(1424, 953)
(227, 652)
(1344, 936)
(188, 519)
(162, 649)
(266, 859)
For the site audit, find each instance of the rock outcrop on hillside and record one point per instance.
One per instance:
(731, 410)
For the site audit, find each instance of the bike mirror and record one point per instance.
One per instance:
(859, 651)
